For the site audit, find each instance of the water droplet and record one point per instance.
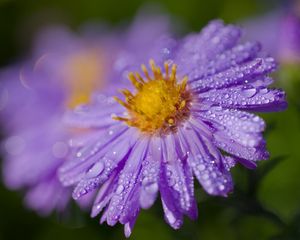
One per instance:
(248, 92)
(151, 187)
(264, 90)
(95, 170)
(119, 189)
(201, 167)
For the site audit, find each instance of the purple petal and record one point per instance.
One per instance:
(103, 167)
(73, 171)
(172, 215)
(207, 163)
(235, 119)
(179, 176)
(129, 226)
(246, 163)
(247, 72)
(128, 179)
(150, 174)
(198, 49)
(246, 97)
(104, 195)
(237, 132)
(223, 61)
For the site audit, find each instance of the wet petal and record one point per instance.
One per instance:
(173, 216)
(232, 57)
(84, 158)
(237, 75)
(179, 176)
(128, 179)
(104, 195)
(235, 119)
(103, 167)
(238, 133)
(150, 174)
(207, 164)
(129, 226)
(199, 49)
(246, 97)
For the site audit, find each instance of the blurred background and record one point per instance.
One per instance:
(266, 202)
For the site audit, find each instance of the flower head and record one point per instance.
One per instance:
(63, 76)
(186, 117)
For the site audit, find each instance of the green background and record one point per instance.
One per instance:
(266, 202)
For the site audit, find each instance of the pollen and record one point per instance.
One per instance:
(159, 103)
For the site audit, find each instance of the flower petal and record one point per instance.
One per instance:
(150, 174)
(179, 176)
(237, 75)
(83, 159)
(237, 132)
(246, 97)
(104, 195)
(103, 167)
(199, 49)
(207, 163)
(128, 179)
(232, 57)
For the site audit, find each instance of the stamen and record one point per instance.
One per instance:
(166, 65)
(160, 103)
(145, 71)
(173, 73)
(122, 103)
(139, 77)
(134, 81)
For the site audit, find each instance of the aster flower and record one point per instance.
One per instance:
(37, 96)
(190, 114)
(279, 33)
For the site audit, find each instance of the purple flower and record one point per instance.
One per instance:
(290, 38)
(279, 32)
(68, 69)
(188, 115)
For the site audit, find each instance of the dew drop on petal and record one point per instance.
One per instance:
(151, 187)
(119, 189)
(95, 170)
(249, 92)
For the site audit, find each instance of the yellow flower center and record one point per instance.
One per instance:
(160, 103)
(83, 75)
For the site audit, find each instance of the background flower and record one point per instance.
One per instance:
(64, 75)
(278, 31)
